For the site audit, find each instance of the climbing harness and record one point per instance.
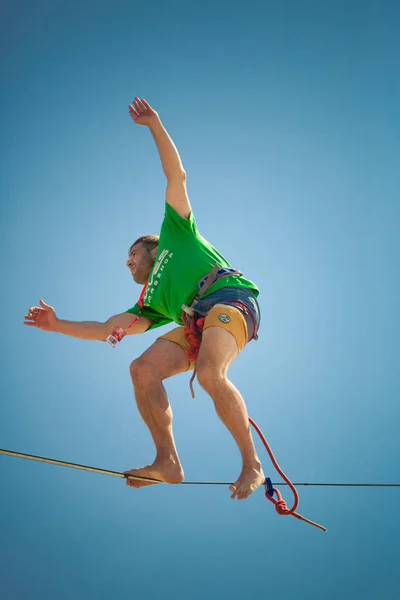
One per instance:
(194, 323)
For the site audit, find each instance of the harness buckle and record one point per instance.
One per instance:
(189, 311)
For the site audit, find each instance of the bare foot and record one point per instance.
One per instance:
(164, 471)
(250, 479)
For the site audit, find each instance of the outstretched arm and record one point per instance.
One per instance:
(142, 113)
(44, 317)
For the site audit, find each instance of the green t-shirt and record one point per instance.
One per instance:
(184, 257)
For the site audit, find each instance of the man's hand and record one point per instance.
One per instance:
(142, 113)
(43, 317)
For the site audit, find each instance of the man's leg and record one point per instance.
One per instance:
(217, 351)
(162, 360)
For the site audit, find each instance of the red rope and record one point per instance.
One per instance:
(280, 504)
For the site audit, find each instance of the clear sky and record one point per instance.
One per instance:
(286, 115)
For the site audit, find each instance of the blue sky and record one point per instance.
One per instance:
(286, 118)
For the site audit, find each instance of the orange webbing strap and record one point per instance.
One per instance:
(280, 504)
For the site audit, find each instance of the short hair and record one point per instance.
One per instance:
(149, 241)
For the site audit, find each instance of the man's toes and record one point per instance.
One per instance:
(240, 493)
(234, 490)
(129, 482)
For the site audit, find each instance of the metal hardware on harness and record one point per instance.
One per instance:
(189, 311)
(207, 281)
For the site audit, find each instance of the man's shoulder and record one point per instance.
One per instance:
(174, 222)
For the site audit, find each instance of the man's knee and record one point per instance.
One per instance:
(210, 377)
(141, 371)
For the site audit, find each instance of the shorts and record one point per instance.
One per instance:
(218, 310)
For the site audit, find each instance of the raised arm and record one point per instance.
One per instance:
(142, 113)
(44, 317)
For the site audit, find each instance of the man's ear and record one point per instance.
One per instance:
(154, 253)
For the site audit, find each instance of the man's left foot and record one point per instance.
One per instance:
(250, 479)
(165, 472)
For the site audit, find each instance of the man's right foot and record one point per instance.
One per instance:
(165, 471)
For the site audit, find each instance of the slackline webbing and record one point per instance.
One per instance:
(62, 463)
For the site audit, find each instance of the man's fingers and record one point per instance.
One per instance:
(34, 311)
(35, 314)
(145, 104)
(133, 112)
(142, 105)
(43, 305)
(139, 106)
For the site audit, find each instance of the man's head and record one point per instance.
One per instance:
(141, 257)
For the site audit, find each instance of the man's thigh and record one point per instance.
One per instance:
(177, 336)
(217, 351)
(225, 335)
(164, 358)
(231, 319)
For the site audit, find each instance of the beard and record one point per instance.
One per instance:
(142, 272)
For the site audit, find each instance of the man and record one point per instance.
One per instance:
(221, 317)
